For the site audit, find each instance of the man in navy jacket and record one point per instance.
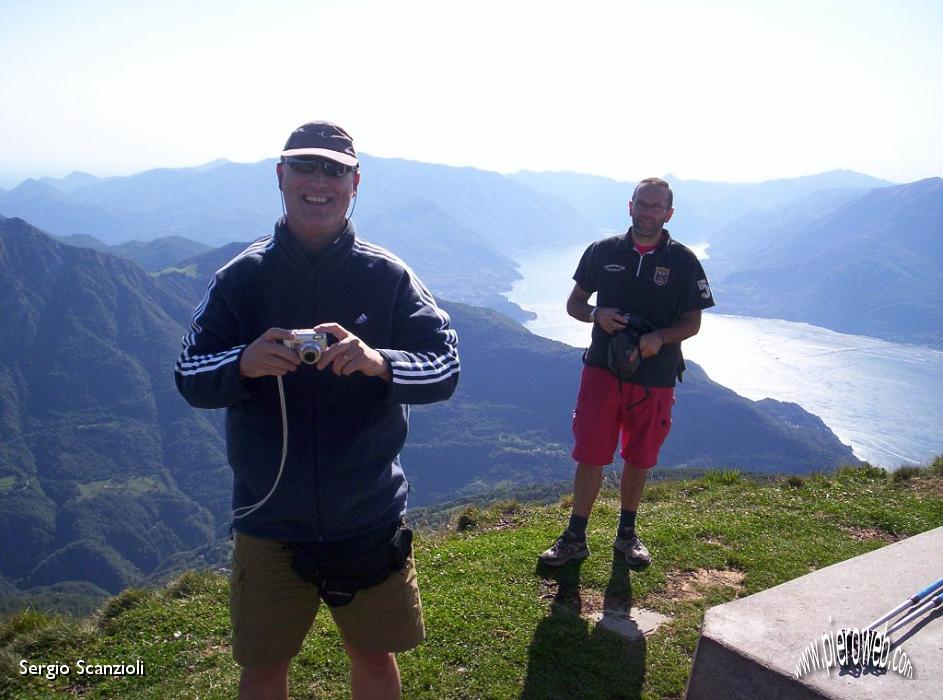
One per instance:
(318, 491)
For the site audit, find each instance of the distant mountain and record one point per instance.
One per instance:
(209, 205)
(448, 256)
(211, 164)
(601, 201)
(871, 264)
(701, 208)
(704, 207)
(222, 201)
(81, 240)
(72, 181)
(734, 246)
(446, 220)
(840, 249)
(153, 256)
(504, 214)
(57, 212)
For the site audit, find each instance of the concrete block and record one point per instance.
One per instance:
(750, 648)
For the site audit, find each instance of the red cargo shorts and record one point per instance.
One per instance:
(604, 407)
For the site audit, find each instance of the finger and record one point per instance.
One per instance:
(332, 352)
(265, 365)
(335, 329)
(276, 349)
(357, 364)
(344, 361)
(279, 364)
(276, 334)
(338, 365)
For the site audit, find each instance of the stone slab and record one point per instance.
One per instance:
(637, 624)
(750, 648)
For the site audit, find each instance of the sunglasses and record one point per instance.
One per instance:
(307, 166)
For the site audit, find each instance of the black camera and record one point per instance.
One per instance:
(624, 343)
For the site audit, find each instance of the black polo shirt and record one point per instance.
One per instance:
(659, 286)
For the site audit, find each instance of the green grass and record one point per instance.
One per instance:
(498, 626)
(188, 270)
(135, 486)
(6, 483)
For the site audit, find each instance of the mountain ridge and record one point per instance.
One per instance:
(872, 265)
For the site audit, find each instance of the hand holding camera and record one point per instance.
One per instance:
(350, 354)
(278, 352)
(609, 319)
(267, 356)
(636, 341)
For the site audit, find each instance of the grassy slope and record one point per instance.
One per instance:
(498, 626)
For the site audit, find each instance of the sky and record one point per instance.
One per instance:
(727, 90)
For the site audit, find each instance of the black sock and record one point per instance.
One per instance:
(577, 526)
(626, 520)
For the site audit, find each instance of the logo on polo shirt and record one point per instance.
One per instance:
(613, 268)
(661, 276)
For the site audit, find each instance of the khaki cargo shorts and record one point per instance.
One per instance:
(272, 608)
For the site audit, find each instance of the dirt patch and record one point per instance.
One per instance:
(506, 522)
(579, 601)
(473, 520)
(713, 539)
(868, 533)
(692, 585)
(612, 612)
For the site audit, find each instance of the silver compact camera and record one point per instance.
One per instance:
(308, 344)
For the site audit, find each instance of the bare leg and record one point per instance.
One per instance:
(586, 485)
(633, 483)
(374, 675)
(264, 682)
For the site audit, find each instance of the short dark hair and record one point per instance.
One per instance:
(657, 182)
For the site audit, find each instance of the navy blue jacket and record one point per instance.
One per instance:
(342, 476)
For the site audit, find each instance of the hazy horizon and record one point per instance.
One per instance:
(221, 160)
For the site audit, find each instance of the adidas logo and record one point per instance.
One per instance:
(362, 318)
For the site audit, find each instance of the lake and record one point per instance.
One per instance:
(884, 399)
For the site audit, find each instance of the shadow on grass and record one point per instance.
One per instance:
(570, 656)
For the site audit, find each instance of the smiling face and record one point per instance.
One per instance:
(650, 208)
(316, 203)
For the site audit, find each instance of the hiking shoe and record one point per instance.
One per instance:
(566, 547)
(631, 546)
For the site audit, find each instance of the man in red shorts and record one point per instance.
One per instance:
(641, 273)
